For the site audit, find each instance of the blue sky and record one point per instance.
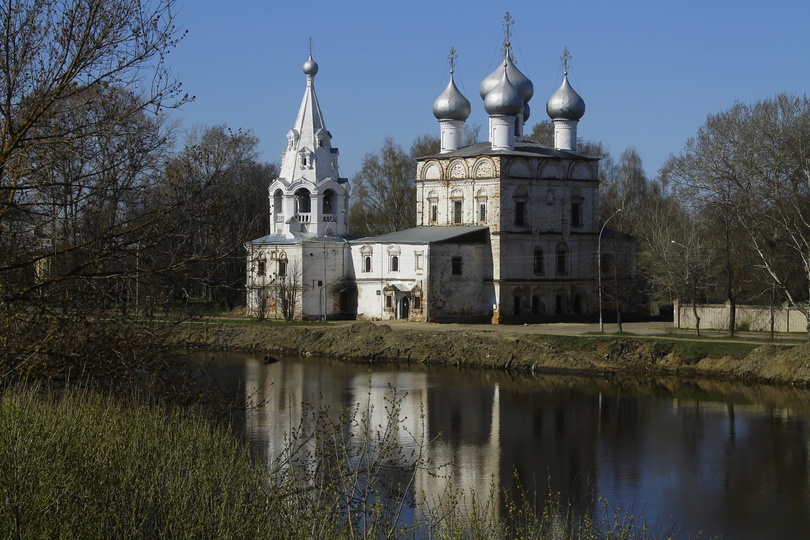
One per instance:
(649, 71)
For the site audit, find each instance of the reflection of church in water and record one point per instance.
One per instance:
(507, 229)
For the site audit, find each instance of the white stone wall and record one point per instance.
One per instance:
(317, 267)
(748, 317)
(467, 295)
(372, 281)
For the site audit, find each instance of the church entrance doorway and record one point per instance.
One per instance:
(404, 308)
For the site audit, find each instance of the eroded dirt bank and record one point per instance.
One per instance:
(372, 343)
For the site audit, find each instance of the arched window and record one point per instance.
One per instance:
(395, 263)
(457, 198)
(277, 202)
(329, 200)
(562, 259)
(303, 203)
(539, 262)
(521, 206)
(367, 263)
(282, 265)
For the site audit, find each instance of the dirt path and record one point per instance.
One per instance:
(530, 348)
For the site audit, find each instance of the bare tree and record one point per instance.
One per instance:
(755, 161)
(81, 137)
(287, 290)
(384, 192)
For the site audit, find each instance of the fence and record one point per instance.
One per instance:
(749, 317)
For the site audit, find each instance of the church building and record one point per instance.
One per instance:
(507, 230)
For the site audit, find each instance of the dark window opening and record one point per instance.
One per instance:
(456, 266)
(329, 202)
(539, 263)
(520, 213)
(456, 212)
(518, 306)
(261, 269)
(395, 264)
(303, 201)
(434, 213)
(482, 212)
(562, 260)
(367, 264)
(282, 268)
(576, 214)
(536, 305)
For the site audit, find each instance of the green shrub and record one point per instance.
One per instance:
(81, 465)
(85, 466)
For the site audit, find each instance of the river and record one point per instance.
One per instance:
(688, 458)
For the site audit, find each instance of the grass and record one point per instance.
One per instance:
(84, 465)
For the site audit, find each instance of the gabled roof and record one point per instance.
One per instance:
(294, 238)
(527, 149)
(425, 235)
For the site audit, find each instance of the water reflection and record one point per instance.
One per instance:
(692, 457)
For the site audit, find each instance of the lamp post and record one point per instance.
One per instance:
(692, 284)
(599, 267)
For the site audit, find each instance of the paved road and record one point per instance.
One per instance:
(656, 328)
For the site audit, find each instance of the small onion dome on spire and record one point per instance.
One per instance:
(451, 104)
(310, 66)
(518, 80)
(504, 98)
(565, 103)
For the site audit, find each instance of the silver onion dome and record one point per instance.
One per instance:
(526, 112)
(310, 66)
(503, 98)
(518, 80)
(451, 104)
(565, 103)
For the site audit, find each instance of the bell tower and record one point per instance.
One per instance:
(309, 196)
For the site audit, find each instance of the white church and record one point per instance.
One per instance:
(507, 230)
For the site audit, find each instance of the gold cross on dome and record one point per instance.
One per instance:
(452, 56)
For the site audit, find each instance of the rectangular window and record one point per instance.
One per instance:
(456, 266)
(536, 309)
(389, 301)
(260, 270)
(457, 212)
(562, 261)
(576, 214)
(417, 302)
(482, 211)
(419, 261)
(539, 263)
(520, 213)
(434, 213)
(282, 268)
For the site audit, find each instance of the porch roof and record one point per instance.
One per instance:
(423, 235)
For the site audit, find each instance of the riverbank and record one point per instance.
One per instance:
(520, 349)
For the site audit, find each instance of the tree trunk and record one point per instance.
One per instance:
(732, 315)
(697, 317)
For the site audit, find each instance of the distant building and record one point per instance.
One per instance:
(507, 230)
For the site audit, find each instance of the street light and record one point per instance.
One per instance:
(692, 284)
(599, 267)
